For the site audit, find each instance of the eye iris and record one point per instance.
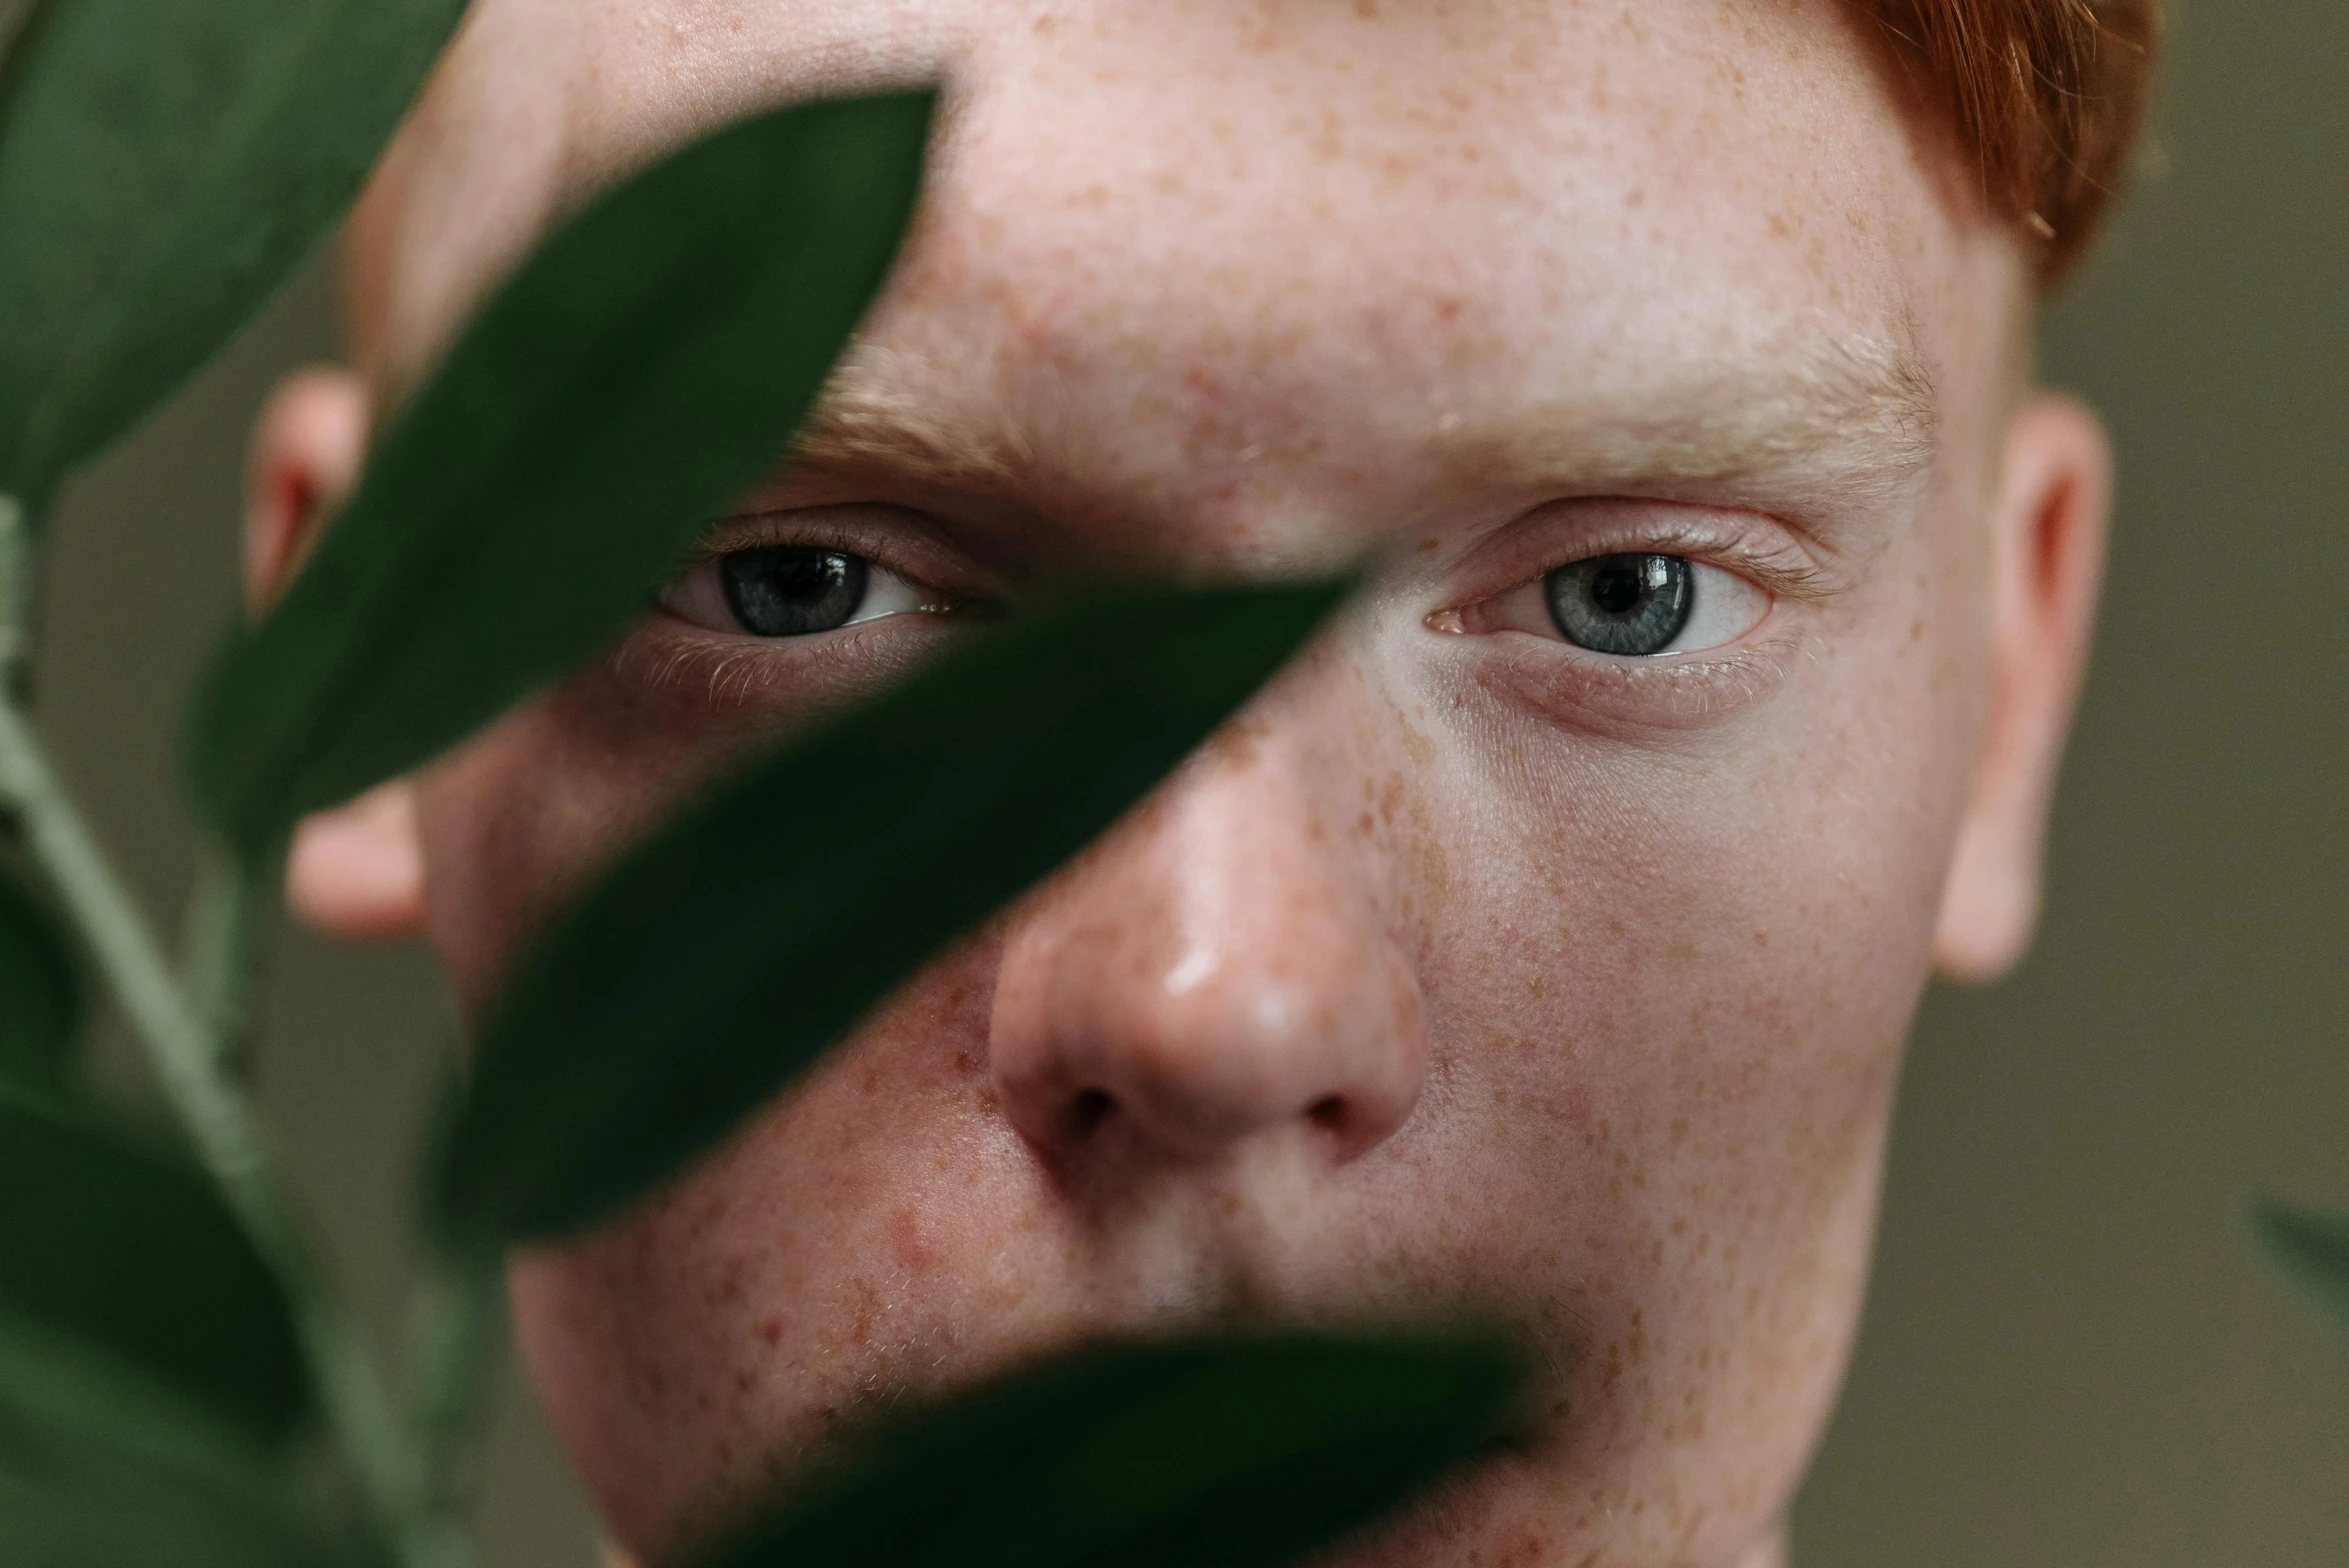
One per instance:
(1631, 605)
(791, 590)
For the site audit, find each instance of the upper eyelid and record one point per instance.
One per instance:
(903, 544)
(1767, 552)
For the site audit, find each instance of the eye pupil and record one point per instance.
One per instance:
(1631, 605)
(792, 590)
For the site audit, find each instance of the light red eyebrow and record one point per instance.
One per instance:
(1831, 413)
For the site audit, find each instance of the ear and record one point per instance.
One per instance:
(2053, 506)
(358, 871)
(307, 448)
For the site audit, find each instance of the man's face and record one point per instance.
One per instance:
(1542, 943)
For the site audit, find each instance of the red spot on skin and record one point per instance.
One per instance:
(906, 1244)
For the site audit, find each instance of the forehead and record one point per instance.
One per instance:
(1468, 206)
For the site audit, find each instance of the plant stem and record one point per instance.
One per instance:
(226, 916)
(451, 1342)
(227, 1137)
(19, 588)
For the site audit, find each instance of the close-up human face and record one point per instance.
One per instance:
(1541, 944)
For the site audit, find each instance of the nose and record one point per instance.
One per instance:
(1216, 972)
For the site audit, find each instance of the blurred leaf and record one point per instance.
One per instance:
(1242, 1454)
(134, 1254)
(40, 995)
(102, 1466)
(2313, 1248)
(717, 963)
(637, 373)
(163, 165)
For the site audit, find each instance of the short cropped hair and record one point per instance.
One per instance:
(2046, 97)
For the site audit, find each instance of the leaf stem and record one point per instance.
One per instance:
(19, 590)
(227, 1137)
(451, 1342)
(226, 916)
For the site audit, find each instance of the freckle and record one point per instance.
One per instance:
(905, 1237)
(771, 1331)
(988, 1103)
(1429, 546)
(1917, 630)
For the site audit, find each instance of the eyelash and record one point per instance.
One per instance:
(1636, 693)
(678, 659)
(698, 671)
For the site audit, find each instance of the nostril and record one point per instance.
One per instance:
(1088, 1111)
(1329, 1113)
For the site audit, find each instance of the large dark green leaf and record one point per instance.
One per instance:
(163, 165)
(2312, 1247)
(101, 1466)
(638, 372)
(134, 1254)
(1239, 1454)
(40, 994)
(721, 960)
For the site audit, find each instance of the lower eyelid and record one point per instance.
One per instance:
(1631, 699)
(700, 676)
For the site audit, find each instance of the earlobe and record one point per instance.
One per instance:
(307, 448)
(2048, 532)
(356, 872)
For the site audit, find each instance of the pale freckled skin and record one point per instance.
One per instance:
(1467, 971)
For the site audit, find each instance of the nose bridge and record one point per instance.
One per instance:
(1218, 971)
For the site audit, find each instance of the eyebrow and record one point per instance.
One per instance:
(872, 417)
(1820, 420)
(1814, 420)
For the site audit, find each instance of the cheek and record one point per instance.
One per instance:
(529, 811)
(1668, 987)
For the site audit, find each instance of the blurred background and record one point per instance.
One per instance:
(2073, 1355)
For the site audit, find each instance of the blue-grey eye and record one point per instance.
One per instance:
(1633, 605)
(793, 590)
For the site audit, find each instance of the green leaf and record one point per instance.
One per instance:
(163, 165)
(1242, 1454)
(40, 995)
(2313, 1248)
(646, 365)
(717, 963)
(102, 1465)
(134, 1254)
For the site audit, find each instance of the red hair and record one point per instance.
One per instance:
(2045, 97)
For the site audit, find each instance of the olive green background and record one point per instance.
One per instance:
(2073, 1355)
